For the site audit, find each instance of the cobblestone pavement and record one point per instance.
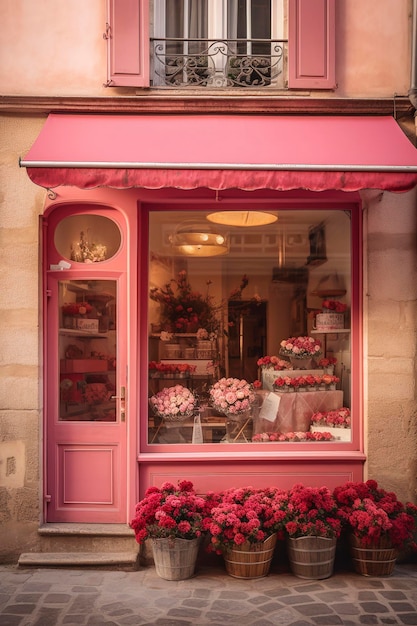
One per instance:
(72, 597)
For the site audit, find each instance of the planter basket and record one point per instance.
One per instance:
(312, 557)
(373, 560)
(250, 560)
(175, 559)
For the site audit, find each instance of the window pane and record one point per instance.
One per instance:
(222, 308)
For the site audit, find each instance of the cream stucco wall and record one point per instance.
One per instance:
(390, 296)
(372, 50)
(20, 394)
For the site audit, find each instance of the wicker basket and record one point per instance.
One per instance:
(250, 560)
(373, 561)
(312, 557)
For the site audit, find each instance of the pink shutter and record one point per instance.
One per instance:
(128, 43)
(311, 44)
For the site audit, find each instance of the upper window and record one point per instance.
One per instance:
(221, 44)
(239, 43)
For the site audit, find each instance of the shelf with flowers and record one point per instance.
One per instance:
(173, 518)
(244, 528)
(294, 437)
(337, 423)
(377, 524)
(326, 382)
(157, 369)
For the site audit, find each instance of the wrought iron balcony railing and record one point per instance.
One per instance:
(250, 63)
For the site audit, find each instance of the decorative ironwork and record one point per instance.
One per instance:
(217, 63)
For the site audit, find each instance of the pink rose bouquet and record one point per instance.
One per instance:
(300, 347)
(232, 396)
(174, 403)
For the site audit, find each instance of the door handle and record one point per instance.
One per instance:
(122, 399)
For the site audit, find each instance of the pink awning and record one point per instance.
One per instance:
(222, 152)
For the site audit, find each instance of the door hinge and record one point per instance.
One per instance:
(48, 293)
(47, 498)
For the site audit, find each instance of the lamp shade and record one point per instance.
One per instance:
(199, 239)
(242, 218)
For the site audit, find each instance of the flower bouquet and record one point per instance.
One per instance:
(339, 418)
(174, 404)
(273, 362)
(300, 351)
(232, 396)
(333, 305)
(293, 437)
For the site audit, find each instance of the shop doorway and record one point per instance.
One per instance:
(247, 337)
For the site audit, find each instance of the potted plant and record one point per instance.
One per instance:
(173, 519)
(312, 526)
(244, 527)
(378, 525)
(336, 422)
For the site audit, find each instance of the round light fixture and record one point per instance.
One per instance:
(198, 239)
(242, 218)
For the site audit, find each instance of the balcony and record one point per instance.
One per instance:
(245, 63)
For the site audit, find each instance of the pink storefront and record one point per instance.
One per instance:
(156, 273)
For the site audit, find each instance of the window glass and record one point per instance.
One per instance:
(268, 306)
(218, 44)
(87, 238)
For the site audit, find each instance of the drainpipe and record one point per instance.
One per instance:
(412, 94)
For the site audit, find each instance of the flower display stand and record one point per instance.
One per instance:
(175, 558)
(312, 557)
(341, 434)
(250, 560)
(378, 560)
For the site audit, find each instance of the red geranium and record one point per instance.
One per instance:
(246, 514)
(171, 511)
(372, 513)
(311, 511)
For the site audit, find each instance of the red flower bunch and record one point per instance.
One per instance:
(77, 308)
(273, 362)
(300, 347)
(170, 511)
(246, 515)
(339, 418)
(372, 513)
(334, 305)
(326, 361)
(311, 511)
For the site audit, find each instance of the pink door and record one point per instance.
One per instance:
(85, 390)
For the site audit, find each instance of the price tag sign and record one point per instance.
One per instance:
(269, 408)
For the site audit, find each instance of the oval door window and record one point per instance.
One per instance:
(87, 238)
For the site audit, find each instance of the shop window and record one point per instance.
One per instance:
(219, 44)
(225, 303)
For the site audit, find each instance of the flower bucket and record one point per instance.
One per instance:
(250, 560)
(376, 560)
(175, 558)
(312, 557)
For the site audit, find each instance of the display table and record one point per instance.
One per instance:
(291, 412)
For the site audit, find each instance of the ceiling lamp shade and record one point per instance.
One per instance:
(242, 218)
(198, 239)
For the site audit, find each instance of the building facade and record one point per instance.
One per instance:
(120, 148)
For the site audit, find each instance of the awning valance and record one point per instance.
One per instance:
(247, 152)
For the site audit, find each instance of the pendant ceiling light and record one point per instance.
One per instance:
(242, 218)
(198, 239)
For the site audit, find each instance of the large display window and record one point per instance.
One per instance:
(250, 327)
